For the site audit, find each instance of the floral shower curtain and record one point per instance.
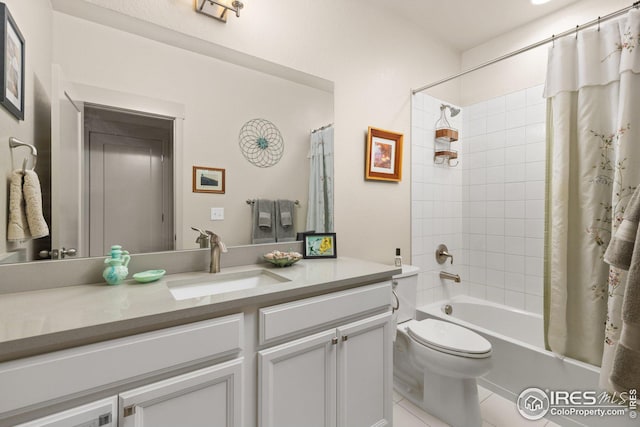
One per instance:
(593, 167)
(320, 213)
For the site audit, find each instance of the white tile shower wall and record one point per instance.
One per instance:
(503, 198)
(489, 210)
(436, 195)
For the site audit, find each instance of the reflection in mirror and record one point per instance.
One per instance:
(201, 103)
(129, 181)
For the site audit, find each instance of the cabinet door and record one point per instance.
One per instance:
(101, 413)
(365, 372)
(209, 397)
(297, 383)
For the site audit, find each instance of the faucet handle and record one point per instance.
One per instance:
(215, 240)
(442, 253)
(199, 231)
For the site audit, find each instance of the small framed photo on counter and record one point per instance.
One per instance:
(208, 180)
(319, 245)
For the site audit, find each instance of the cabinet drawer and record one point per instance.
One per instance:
(62, 373)
(289, 319)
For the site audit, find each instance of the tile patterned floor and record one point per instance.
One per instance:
(496, 412)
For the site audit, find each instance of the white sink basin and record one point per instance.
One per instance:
(223, 282)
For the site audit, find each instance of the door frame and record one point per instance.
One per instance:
(143, 105)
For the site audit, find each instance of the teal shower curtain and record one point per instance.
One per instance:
(320, 213)
(593, 167)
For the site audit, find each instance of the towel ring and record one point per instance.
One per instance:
(15, 142)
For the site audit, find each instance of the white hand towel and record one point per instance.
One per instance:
(25, 207)
(33, 200)
(18, 227)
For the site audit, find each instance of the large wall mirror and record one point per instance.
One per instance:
(136, 115)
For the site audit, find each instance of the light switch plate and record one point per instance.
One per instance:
(217, 214)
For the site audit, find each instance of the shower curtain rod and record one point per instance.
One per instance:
(531, 46)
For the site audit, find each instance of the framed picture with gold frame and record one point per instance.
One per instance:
(384, 155)
(208, 180)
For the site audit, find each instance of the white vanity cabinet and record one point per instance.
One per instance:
(340, 376)
(101, 413)
(208, 397)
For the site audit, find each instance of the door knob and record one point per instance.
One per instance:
(58, 253)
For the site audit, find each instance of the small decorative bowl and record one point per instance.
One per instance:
(282, 259)
(148, 276)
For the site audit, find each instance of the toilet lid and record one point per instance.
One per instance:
(449, 338)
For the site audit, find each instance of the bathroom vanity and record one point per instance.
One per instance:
(312, 348)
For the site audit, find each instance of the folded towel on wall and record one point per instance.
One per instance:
(624, 252)
(33, 200)
(26, 219)
(18, 227)
(262, 226)
(285, 227)
(620, 248)
(265, 209)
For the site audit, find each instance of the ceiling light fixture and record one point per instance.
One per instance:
(218, 9)
(537, 2)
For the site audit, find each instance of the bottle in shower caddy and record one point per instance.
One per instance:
(398, 259)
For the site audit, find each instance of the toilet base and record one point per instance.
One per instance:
(453, 400)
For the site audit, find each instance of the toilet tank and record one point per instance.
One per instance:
(405, 285)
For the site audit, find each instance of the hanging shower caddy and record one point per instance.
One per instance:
(445, 135)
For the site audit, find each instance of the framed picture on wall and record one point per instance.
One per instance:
(383, 155)
(319, 245)
(12, 64)
(208, 180)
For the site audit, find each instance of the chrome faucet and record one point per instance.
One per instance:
(216, 248)
(449, 276)
(203, 238)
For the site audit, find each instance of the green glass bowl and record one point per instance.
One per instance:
(148, 276)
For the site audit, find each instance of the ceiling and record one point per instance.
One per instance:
(464, 24)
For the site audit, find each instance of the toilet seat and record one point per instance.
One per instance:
(449, 338)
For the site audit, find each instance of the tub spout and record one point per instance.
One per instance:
(449, 276)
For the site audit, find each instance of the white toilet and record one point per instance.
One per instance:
(436, 363)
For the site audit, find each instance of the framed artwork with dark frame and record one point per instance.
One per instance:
(319, 245)
(208, 180)
(11, 64)
(384, 155)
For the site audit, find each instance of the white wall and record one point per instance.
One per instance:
(527, 69)
(33, 18)
(436, 199)
(503, 198)
(218, 99)
(373, 58)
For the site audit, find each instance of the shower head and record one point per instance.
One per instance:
(452, 110)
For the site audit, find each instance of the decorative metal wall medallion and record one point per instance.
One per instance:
(261, 143)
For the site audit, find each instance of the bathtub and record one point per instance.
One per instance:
(519, 358)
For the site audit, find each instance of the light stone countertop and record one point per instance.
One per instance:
(41, 321)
